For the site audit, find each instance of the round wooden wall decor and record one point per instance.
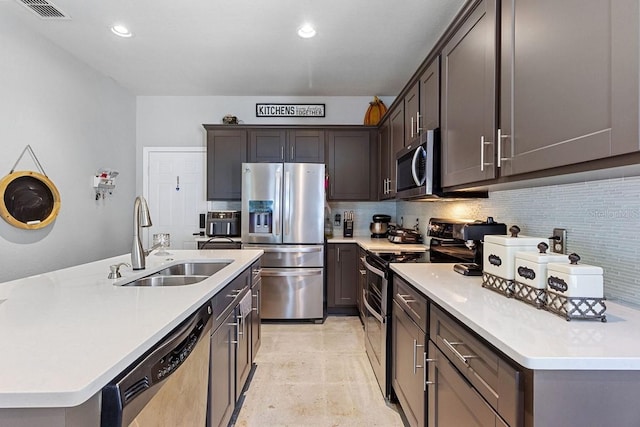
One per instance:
(29, 200)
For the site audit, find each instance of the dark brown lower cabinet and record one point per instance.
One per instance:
(408, 371)
(222, 395)
(362, 282)
(256, 331)
(342, 278)
(243, 355)
(452, 399)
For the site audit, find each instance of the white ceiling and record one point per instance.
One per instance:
(249, 47)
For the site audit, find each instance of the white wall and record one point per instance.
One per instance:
(76, 120)
(177, 120)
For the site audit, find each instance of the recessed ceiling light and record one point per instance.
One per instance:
(121, 30)
(306, 31)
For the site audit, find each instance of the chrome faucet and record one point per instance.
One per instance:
(141, 218)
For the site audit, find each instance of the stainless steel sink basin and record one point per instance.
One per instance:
(166, 281)
(183, 274)
(193, 269)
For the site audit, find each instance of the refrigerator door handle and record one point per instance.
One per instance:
(277, 201)
(286, 210)
(291, 272)
(278, 249)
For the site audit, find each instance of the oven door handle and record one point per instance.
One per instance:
(372, 268)
(371, 309)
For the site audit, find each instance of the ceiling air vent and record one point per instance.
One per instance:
(44, 9)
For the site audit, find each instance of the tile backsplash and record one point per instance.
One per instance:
(602, 219)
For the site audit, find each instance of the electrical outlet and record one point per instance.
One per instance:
(559, 241)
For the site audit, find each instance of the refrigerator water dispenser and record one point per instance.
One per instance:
(260, 216)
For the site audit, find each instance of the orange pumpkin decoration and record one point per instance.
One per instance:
(375, 112)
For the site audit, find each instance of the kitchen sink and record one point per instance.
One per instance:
(166, 281)
(193, 269)
(183, 274)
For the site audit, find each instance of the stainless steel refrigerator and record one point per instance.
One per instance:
(282, 213)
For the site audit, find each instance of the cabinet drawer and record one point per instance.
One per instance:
(224, 301)
(490, 374)
(412, 301)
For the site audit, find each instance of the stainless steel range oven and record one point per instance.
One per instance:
(377, 315)
(377, 292)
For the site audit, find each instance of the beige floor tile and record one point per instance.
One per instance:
(315, 376)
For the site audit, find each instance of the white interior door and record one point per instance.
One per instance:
(175, 191)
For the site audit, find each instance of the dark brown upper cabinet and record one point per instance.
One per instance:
(281, 145)
(569, 82)
(412, 114)
(469, 99)
(429, 113)
(352, 160)
(226, 151)
(387, 163)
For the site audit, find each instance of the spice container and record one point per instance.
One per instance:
(531, 274)
(575, 291)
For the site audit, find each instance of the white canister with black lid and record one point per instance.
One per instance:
(499, 252)
(531, 267)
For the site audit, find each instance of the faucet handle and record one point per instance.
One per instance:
(115, 270)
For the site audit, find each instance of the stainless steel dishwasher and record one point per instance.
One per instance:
(168, 385)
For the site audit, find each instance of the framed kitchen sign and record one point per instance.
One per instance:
(290, 110)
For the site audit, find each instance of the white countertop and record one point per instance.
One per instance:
(381, 244)
(66, 334)
(536, 339)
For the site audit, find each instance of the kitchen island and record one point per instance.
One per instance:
(578, 372)
(67, 333)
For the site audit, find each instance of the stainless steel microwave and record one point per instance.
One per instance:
(418, 167)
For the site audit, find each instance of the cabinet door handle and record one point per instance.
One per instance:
(500, 138)
(418, 128)
(463, 357)
(415, 356)
(237, 341)
(424, 376)
(282, 152)
(337, 254)
(404, 299)
(292, 153)
(257, 297)
(482, 144)
(411, 127)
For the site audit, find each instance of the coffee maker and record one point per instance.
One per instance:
(472, 233)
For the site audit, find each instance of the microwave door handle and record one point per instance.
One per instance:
(414, 165)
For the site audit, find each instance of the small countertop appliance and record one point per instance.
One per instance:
(380, 226)
(223, 223)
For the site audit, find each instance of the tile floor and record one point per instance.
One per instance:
(315, 376)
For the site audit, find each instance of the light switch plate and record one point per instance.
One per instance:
(560, 241)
